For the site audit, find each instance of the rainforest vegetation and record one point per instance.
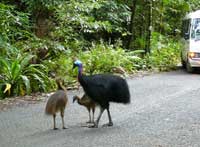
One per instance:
(40, 38)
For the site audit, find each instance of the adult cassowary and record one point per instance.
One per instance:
(102, 89)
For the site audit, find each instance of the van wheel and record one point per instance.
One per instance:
(189, 68)
(183, 63)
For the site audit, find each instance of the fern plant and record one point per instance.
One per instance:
(22, 76)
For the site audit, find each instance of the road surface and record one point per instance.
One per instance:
(164, 112)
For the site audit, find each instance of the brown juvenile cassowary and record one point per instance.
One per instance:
(57, 102)
(88, 103)
(102, 89)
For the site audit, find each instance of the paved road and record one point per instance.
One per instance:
(165, 112)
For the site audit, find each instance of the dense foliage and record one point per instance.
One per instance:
(40, 38)
(22, 76)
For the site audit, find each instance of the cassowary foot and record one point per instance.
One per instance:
(55, 128)
(84, 125)
(108, 124)
(94, 125)
(65, 127)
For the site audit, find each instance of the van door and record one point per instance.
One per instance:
(185, 39)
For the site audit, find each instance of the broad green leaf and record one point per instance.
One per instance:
(25, 61)
(15, 70)
(41, 82)
(26, 82)
(8, 88)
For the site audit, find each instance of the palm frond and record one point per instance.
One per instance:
(26, 82)
(25, 61)
(41, 82)
(15, 70)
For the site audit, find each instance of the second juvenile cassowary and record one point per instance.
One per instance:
(88, 103)
(102, 89)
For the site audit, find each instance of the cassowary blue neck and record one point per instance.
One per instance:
(80, 70)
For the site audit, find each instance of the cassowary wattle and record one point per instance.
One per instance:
(102, 89)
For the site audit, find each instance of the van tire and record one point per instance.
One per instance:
(183, 63)
(189, 68)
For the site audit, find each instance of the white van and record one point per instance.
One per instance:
(190, 53)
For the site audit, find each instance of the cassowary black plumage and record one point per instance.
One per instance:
(102, 89)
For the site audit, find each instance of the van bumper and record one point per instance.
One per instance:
(194, 62)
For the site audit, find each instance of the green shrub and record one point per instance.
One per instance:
(14, 24)
(102, 58)
(165, 54)
(61, 67)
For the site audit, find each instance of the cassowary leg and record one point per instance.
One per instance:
(62, 116)
(54, 122)
(99, 117)
(109, 118)
(93, 110)
(89, 117)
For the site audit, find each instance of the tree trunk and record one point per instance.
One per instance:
(41, 28)
(131, 28)
(149, 27)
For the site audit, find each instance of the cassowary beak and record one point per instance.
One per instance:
(74, 65)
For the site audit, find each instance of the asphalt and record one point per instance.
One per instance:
(164, 112)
